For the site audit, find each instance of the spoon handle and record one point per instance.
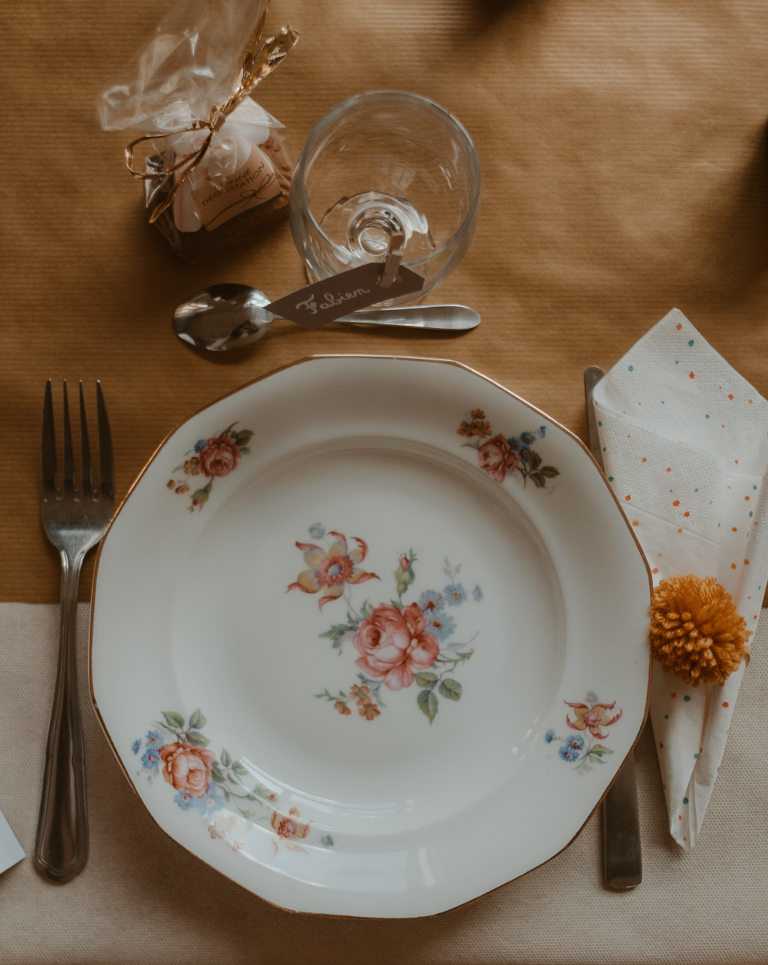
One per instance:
(444, 318)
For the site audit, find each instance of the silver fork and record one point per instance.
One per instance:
(74, 520)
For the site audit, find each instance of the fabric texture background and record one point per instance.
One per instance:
(143, 899)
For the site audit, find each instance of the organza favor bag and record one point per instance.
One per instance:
(215, 165)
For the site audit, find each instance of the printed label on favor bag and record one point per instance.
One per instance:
(249, 186)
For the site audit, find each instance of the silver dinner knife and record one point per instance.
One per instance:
(622, 852)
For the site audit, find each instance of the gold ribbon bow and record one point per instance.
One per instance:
(258, 61)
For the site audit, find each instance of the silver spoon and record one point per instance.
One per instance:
(229, 315)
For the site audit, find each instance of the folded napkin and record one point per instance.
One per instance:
(685, 442)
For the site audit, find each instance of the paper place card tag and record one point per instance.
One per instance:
(10, 849)
(342, 294)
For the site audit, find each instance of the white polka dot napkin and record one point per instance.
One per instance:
(685, 447)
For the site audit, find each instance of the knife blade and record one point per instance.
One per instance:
(622, 850)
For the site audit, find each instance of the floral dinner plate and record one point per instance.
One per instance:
(369, 636)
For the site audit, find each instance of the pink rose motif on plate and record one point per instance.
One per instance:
(502, 456)
(187, 768)
(219, 456)
(497, 458)
(398, 643)
(211, 458)
(395, 643)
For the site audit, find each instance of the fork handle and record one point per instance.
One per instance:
(61, 844)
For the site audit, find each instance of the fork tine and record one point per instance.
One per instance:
(85, 447)
(69, 459)
(106, 464)
(48, 465)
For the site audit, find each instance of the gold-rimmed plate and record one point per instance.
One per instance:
(369, 636)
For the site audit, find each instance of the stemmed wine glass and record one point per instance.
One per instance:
(385, 172)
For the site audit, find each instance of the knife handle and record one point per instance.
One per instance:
(622, 851)
(622, 854)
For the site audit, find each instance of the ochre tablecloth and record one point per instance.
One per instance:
(624, 159)
(623, 148)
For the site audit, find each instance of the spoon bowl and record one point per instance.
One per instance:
(230, 315)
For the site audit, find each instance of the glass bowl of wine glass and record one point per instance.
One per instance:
(385, 172)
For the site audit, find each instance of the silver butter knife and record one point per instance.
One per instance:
(622, 851)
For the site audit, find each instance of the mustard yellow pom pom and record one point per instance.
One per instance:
(696, 631)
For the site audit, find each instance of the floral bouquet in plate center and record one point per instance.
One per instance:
(398, 642)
